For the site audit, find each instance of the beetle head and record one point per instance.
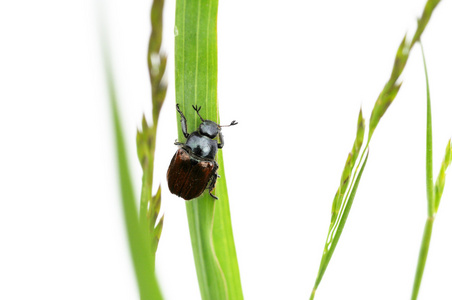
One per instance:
(209, 129)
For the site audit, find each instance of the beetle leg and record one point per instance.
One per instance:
(221, 143)
(212, 186)
(178, 143)
(183, 121)
(213, 181)
(197, 110)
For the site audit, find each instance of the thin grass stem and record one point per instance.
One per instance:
(423, 253)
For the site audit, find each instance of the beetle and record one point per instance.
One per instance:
(193, 167)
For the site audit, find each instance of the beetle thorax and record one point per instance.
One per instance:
(202, 146)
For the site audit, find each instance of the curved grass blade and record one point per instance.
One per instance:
(138, 239)
(383, 102)
(140, 248)
(196, 84)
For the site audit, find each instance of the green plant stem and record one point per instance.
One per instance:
(423, 253)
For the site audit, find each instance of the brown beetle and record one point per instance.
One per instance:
(193, 168)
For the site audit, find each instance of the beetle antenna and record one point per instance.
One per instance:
(197, 110)
(232, 124)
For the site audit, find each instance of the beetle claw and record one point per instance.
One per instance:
(195, 107)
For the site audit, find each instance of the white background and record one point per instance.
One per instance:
(294, 75)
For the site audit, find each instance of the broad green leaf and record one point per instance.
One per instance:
(196, 84)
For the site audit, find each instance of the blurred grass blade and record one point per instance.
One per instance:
(196, 84)
(341, 208)
(139, 247)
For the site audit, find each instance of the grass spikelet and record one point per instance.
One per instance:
(349, 165)
(441, 179)
(146, 137)
(391, 88)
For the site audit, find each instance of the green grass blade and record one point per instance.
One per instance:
(138, 239)
(196, 84)
(223, 238)
(429, 150)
